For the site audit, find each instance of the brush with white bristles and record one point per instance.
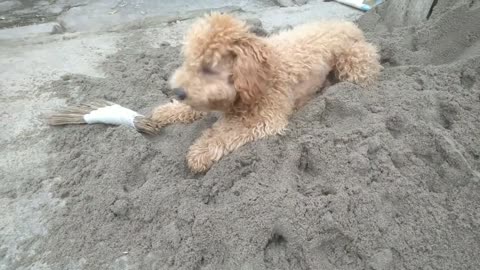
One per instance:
(103, 112)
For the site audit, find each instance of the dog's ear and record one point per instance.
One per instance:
(251, 69)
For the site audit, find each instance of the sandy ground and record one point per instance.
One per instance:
(380, 178)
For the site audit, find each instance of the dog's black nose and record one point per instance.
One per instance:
(180, 93)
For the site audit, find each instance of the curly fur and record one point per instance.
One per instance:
(258, 82)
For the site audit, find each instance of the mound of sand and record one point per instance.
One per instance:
(384, 178)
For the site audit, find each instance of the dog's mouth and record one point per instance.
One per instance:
(219, 105)
(196, 105)
(208, 105)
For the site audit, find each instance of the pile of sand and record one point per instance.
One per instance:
(384, 178)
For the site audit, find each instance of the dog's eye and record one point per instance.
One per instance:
(208, 70)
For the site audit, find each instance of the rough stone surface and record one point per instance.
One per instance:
(285, 3)
(290, 3)
(9, 5)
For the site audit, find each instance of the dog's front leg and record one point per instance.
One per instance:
(174, 112)
(224, 137)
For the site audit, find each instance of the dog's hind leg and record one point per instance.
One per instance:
(359, 64)
(174, 112)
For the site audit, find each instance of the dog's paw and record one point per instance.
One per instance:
(200, 160)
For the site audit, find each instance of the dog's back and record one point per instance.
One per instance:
(335, 45)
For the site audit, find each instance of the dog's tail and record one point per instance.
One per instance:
(358, 63)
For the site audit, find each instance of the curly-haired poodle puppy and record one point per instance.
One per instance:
(257, 82)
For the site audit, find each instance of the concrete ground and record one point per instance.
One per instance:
(41, 41)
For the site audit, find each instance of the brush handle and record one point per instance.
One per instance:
(111, 115)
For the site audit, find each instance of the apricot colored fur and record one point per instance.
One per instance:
(258, 82)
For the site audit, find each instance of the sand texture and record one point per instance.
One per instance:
(380, 178)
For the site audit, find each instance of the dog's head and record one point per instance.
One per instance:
(224, 64)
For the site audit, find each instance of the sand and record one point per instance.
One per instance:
(379, 178)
